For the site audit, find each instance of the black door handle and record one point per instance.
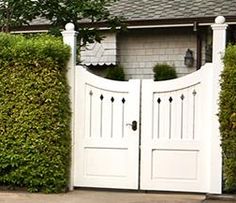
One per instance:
(134, 125)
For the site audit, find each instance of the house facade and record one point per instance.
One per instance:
(159, 32)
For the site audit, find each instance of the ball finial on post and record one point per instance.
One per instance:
(70, 27)
(220, 20)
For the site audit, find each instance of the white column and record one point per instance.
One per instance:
(70, 38)
(219, 43)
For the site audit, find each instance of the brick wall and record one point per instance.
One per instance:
(139, 50)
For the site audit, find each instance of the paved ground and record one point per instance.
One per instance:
(98, 197)
(82, 196)
(219, 201)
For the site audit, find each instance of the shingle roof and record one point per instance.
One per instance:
(172, 9)
(160, 10)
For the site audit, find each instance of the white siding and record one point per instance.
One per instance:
(140, 50)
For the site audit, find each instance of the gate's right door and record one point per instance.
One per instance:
(173, 147)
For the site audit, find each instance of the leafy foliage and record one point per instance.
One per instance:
(227, 118)
(15, 13)
(164, 72)
(115, 73)
(34, 113)
(60, 12)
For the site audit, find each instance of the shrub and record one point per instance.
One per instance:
(227, 118)
(34, 113)
(115, 73)
(164, 72)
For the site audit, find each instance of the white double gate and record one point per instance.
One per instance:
(142, 134)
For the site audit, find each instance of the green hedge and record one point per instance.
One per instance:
(34, 113)
(227, 118)
(115, 73)
(164, 72)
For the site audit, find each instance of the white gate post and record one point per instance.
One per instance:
(70, 38)
(219, 43)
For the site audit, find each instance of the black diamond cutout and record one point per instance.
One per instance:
(91, 93)
(101, 97)
(194, 92)
(123, 100)
(170, 99)
(158, 100)
(112, 99)
(182, 97)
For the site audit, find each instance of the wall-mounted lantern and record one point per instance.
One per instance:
(188, 59)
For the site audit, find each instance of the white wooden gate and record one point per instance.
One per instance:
(106, 147)
(174, 139)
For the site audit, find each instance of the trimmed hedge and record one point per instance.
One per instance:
(115, 73)
(227, 118)
(34, 113)
(164, 72)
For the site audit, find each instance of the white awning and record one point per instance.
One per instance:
(100, 54)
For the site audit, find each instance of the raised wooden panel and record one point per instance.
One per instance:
(174, 164)
(106, 162)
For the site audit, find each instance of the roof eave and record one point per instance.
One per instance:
(135, 23)
(31, 28)
(171, 21)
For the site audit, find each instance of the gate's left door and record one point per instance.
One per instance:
(106, 147)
